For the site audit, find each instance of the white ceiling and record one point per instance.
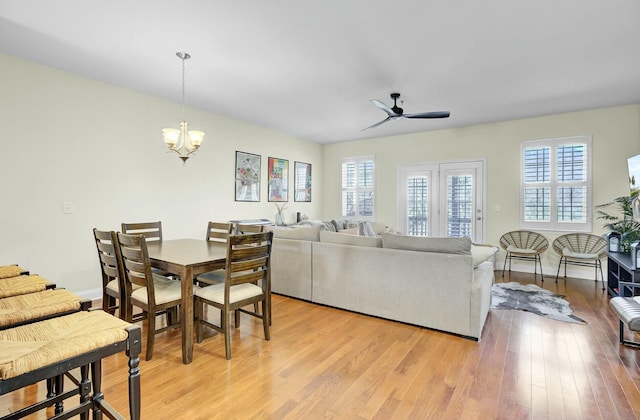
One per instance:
(309, 68)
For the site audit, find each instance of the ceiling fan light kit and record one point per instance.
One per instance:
(395, 112)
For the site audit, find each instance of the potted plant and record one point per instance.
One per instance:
(623, 222)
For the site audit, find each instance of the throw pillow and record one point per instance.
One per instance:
(481, 253)
(365, 229)
(346, 239)
(427, 244)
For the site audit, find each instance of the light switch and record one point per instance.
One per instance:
(67, 207)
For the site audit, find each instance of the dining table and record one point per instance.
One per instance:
(187, 258)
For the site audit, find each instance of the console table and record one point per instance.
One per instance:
(622, 280)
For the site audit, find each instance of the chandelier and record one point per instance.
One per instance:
(183, 141)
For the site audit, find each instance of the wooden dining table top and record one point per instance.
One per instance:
(187, 251)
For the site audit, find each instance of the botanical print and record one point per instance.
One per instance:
(247, 177)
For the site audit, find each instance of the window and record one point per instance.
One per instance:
(556, 184)
(358, 187)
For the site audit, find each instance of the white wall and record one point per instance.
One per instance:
(616, 136)
(70, 139)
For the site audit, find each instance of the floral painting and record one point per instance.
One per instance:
(247, 177)
(278, 188)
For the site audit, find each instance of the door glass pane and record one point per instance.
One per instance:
(459, 205)
(417, 206)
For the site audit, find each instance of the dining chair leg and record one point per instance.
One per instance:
(151, 332)
(227, 334)
(236, 315)
(197, 312)
(265, 319)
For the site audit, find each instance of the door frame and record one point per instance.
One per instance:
(435, 168)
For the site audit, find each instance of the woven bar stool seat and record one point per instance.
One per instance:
(22, 285)
(46, 349)
(22, 309)
(7, 271)
(29, 347)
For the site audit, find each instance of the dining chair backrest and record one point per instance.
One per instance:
(244, 229)
(135, 262)
(152, 231)
(111, 269)
(219, 231)
(249, 260)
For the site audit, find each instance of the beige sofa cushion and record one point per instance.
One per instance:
(427, 244)
(305, 233)
(481, 253)
(346, 239)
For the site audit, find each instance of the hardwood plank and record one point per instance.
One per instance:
(323, 362)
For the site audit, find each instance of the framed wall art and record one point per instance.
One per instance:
(247, 177)
(302, 182)
(278, 180)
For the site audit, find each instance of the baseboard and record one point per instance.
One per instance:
(92, 294)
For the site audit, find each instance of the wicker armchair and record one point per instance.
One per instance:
(582, 249)
(524, 245)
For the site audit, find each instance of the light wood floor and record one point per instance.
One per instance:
(327, 363)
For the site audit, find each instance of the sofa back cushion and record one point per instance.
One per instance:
(346, 239)
(305, 233)
(427, 244)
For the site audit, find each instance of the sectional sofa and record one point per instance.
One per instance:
(438, 283)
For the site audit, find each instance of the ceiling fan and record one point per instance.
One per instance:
(396, 112)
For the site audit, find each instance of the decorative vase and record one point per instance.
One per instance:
(279, 219)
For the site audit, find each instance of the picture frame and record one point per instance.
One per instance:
(247, 177)
(278, 180)
(302, 182)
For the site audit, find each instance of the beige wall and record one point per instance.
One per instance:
(68, 138)
(615, 132)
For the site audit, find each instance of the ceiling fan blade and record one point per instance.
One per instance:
(435, 114)
(384, 107)
(378, 123)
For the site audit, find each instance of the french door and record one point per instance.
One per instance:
(442, 199)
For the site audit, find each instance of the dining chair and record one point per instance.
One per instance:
(114, 289)
(216, 232)
(156, 294)
(244, 229)
(152, 231)
(247, 281)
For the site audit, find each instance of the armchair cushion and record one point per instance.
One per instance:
(571, 254)
(515, 250)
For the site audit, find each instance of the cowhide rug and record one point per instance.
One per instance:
(532, 298)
